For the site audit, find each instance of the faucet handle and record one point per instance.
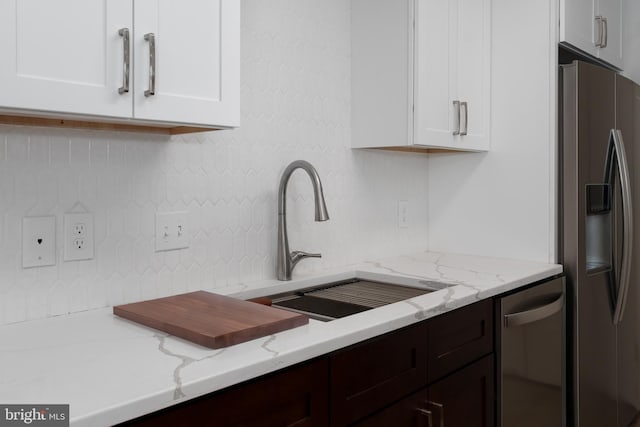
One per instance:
(298, 255)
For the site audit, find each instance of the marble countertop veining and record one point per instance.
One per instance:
(110, 369)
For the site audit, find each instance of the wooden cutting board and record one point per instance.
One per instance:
(211, 320)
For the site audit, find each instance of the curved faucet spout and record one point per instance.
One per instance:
(287, 260)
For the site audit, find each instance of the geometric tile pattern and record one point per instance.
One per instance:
(295, 104)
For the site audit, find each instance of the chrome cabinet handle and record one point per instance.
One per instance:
(426, 414)
(126, 60)
(616, 145)
(464, 107)
(605, 32)
(534, 314)
(440, 408)
(151, 38)
(456, 115)
(598, 41)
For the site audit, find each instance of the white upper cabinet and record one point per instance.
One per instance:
(452, 74)
(594, 27)
(54, 61)
(421, 73)
(196, 47)
(176, 63)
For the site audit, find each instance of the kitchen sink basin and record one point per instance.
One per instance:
(341, 299)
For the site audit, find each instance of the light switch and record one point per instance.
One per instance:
(172, 231)
(38, 241)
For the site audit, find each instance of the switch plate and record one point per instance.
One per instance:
(172, 231)
(78, 236)
(38, 241)
(403, 214)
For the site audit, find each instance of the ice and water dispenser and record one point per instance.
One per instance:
(598, 228)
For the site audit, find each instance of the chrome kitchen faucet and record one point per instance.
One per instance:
(288, 260)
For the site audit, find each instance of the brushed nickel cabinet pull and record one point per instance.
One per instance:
(426, 414)
(440, 408)
(126, 60)
(605, 33)
(151, 38)
(464, 107)
(456, 115)
(600, 30)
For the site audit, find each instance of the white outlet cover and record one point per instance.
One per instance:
(74, 223)
(38, 241)
(172, 230)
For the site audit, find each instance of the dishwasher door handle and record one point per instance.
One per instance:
(534, 314)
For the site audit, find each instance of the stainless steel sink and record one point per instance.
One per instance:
(341, 299)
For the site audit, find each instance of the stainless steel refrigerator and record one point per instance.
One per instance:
(600, 180)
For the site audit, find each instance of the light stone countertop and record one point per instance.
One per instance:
(110, 369)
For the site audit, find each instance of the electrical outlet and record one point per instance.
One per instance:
(403, 214)
(172, 231)
(38, 241)
(79, 244)
(78, 236)
(79, 229)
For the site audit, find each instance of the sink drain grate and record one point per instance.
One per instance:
(367, 294)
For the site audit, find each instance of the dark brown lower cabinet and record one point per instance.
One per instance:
(297, 397)
(463, 399)
(466, 397)
(435, 373)
(373, 374)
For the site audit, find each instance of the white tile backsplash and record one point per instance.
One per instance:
(295, 105)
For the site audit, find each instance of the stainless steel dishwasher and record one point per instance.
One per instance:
(531, 357)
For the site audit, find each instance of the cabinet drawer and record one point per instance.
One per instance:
(412, 411)
(296, 396)
(459, 337)
(371, 375)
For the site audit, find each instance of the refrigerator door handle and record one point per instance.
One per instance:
(534, 314)
(616, 143)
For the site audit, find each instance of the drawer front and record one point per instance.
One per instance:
(459, 337)
(371, 375)
(412, 411)
(294, 397)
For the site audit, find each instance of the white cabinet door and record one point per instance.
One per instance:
(611, 10)
(452, 78)
(474, 73)
(434, 84)
(594, 27)
(197, 64)
(577, 24)
(52, 60)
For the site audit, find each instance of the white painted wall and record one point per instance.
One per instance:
(295, 99)
(502, 203)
